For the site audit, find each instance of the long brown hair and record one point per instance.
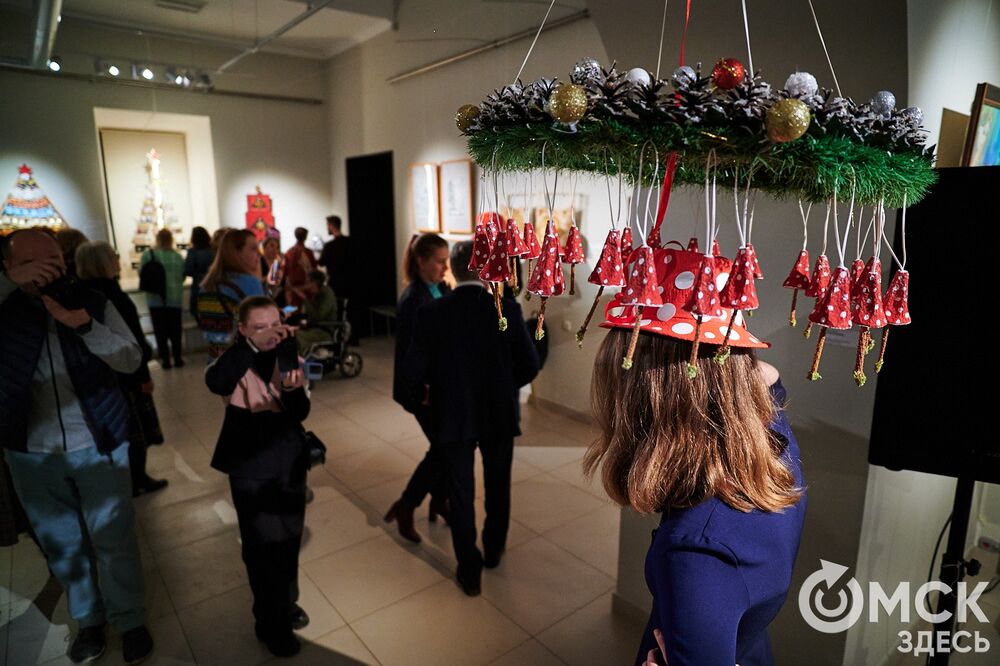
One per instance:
(420, 247)
(668, 441)
(227, 258)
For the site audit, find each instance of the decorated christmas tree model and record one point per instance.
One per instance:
(156, 213)
(27, 206)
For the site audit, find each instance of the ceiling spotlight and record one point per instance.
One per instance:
(55, 64)
(204, 81)
(147, 73)
(113, 70)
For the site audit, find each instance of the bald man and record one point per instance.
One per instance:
(63, 428)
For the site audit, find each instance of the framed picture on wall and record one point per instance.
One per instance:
(456, 197)
(424, 197)
(982, 138)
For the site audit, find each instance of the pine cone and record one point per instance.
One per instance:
(746, 105)
(609, 98)
(697, 104)
(535, 98)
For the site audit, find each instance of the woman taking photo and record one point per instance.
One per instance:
(715, 456)
(262, 449)
(98, 268)
(425, 266)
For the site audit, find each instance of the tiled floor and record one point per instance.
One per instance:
(373, 598)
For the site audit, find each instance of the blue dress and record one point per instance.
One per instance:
(719, 576)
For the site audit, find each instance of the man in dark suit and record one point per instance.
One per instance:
(469, 372)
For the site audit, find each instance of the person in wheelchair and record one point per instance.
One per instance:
(317, 313)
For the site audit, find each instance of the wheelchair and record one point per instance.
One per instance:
(332, 354)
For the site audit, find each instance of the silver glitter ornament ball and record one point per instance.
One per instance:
(585, 71)
(801, 84)
(913, 114)
(684, 76)
(883, 102)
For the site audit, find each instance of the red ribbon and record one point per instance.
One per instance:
(687, 18)
(661, 211)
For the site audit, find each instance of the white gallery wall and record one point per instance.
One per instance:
(282, 146)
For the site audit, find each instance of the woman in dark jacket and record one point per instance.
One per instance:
(425, 266)
(98, 267)
(262, 449)
(196, 263)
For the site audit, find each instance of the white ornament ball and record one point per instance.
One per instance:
(801, 84)
(883, 102)
(638, 76)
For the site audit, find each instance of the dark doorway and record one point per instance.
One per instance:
(371, 214)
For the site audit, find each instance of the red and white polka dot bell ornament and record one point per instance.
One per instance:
(799, 278)
(609, 272)
(627, 244)
(833, 308)
(497, 272)
(480, 249)
(739, 293)
(574, 255)
(515, 248)
(547, 277)
(896, 299)
(868, 313)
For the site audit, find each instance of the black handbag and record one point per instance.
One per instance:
(314, 446)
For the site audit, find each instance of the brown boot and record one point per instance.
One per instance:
(402, 513)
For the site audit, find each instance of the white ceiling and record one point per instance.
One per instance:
(331, 30)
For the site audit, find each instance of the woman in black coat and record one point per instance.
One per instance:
(263, 450)
(98, 267)
(425, 266)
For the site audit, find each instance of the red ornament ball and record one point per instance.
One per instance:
(728, 73)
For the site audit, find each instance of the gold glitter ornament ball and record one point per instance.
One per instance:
(787, 120)
(568, 103)
(466, 115)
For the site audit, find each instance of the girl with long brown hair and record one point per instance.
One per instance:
(425, 269)
(701, 439)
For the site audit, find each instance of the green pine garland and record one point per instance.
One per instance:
(811, 168)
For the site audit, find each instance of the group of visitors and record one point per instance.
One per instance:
(711, 451)
(77, 412)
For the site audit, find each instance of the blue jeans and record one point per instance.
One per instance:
(80, 506)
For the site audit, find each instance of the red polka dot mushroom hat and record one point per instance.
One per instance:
(675, 271)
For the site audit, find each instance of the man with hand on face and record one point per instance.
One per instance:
(262, 449)
(64, 431)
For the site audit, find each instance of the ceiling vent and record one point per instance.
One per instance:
(188, 6)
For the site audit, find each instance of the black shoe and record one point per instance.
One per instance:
(402, 513)
(438, 508)
(88, 645)
(137, 645)
(281, 644)
(299, 618)
(179, 363)
(492, 561)
(469, 586)
(166, 365)
(149, 485)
